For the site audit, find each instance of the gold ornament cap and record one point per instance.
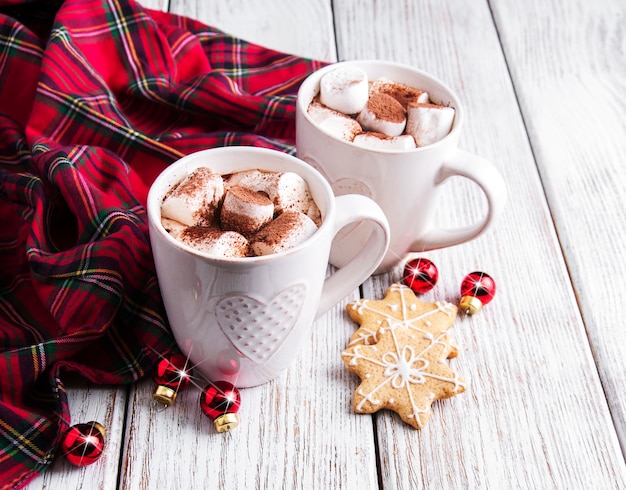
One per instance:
(164, 395)
(99, 427)
(470, 305)
(226, 422)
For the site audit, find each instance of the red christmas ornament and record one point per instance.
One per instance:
(171, 375)
(477, 289)
(83, 444)
(220, 401)
(420, 275)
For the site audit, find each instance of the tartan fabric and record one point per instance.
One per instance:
(96, 98)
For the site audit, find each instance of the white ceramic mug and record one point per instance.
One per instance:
(405, 183)
(243, 320)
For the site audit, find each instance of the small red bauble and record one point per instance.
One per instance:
(420, 275)
(220, 401)
(83, 444)
(171, 375)
(477, 289)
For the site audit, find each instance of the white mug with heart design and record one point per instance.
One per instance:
(243, 320)
(405, 183)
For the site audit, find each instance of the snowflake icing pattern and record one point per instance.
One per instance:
(405, 370)
(402, 370)
(400, 308)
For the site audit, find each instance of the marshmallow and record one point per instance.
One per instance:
(195, 199)
(314, 213)
(379, 141)
(245, 210)
(428, 123)
(286, 231)
(344, 89)
(402, 93)
(172, 226)
(227, 244)
(383, 114)
(287, 190)
(333, 122)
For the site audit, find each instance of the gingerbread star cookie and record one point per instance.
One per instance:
(401, 307)
(405, 371)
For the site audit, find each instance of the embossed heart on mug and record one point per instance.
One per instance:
(257, 328)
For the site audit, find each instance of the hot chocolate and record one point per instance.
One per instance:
(386, 115)
(247, 213)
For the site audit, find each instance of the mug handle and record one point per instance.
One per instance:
(353, 208)
(483, 173)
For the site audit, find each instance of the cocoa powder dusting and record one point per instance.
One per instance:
(239, 221)
(401, 93)
(248, 195)
(386, 108)
(236, 245)
(194, 182)
(424, 104)
(197, 234)
(272, 232)
(380, 136)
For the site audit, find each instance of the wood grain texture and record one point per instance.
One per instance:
(571, 84)
(156, 4)
(543, 87)
(301, 27)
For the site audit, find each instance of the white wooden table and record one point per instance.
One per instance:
(544, 84)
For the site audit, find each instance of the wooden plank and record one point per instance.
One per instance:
(106, 405)
(155, 4)
(301, 27)
(571, 86)
(295, 432)
(535, 414)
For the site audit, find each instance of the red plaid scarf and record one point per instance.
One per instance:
(96, 98)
